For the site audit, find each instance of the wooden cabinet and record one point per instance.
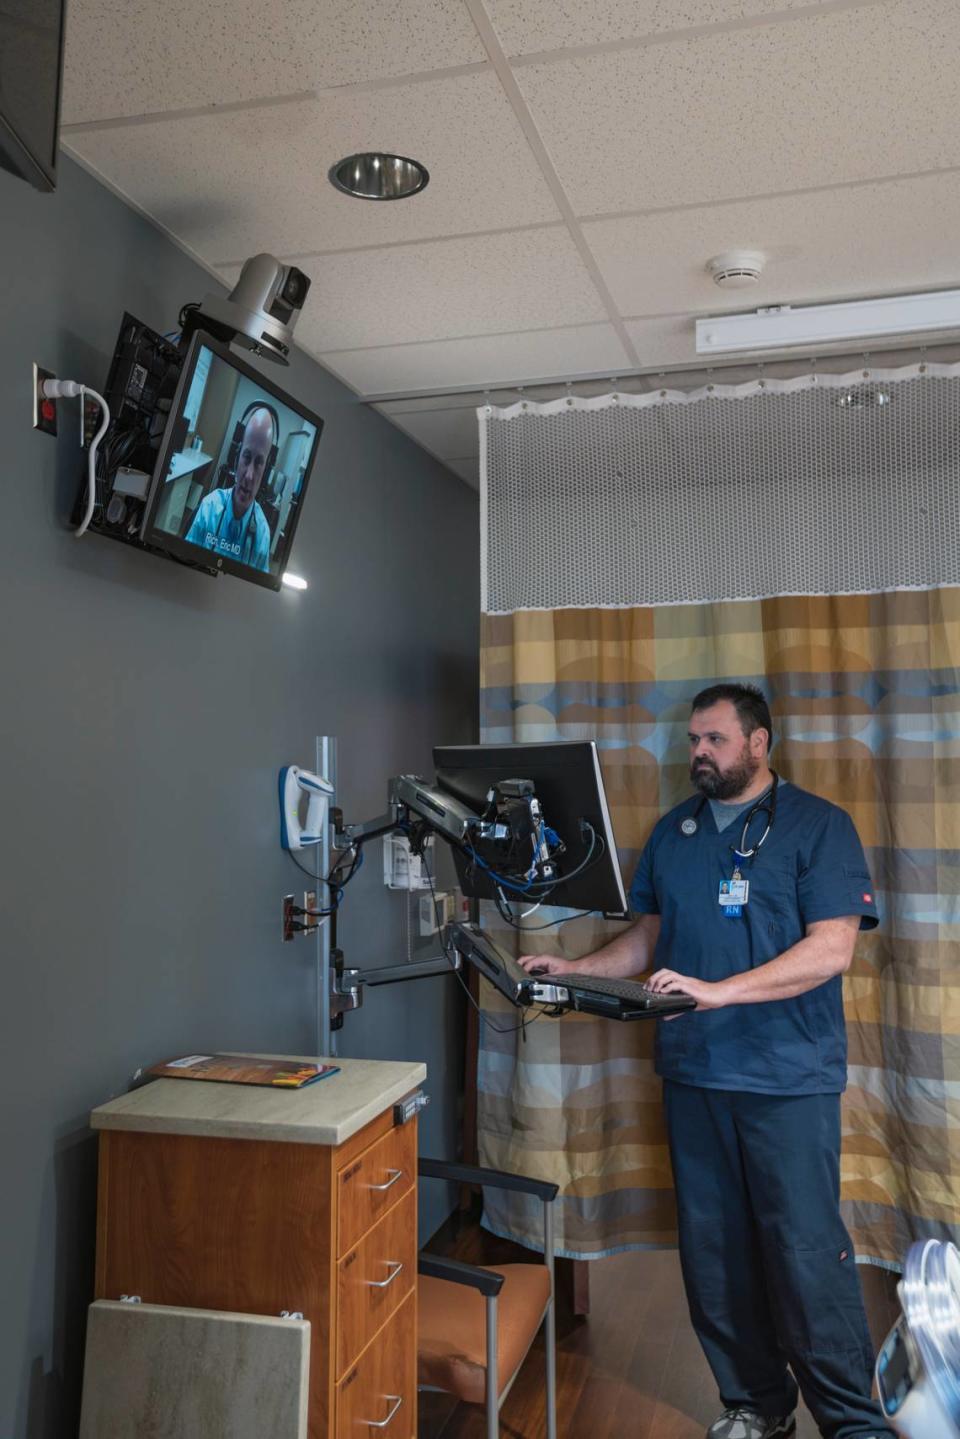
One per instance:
(265, 1224)
(368, 1186)
(382, 1384)
(374, 1279)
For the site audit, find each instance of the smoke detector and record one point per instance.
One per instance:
(737, 269)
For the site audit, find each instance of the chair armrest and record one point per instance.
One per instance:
(496, 1178)
(488, 1283)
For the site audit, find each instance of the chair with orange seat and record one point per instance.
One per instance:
(475, 1325)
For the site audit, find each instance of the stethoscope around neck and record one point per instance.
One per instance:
(766, 805)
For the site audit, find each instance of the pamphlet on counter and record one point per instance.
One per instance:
(243, 1069)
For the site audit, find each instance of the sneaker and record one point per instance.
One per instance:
(747, 1424)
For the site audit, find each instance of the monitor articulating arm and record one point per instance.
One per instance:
(515, 852)
(509, 840)
(419, 810)
(414, 803)
(509, 832)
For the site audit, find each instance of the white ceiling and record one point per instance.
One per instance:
(586, 159)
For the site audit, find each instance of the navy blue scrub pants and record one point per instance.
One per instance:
(767, 1262)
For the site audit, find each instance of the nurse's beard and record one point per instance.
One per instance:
(732, 782)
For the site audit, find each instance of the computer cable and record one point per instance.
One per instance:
(511, 920)
(333, 881)
(542, 889)
(72, 389)
(318, 878)
(483, 1016)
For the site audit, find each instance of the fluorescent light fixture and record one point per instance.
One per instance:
(782, 327)
(295, 582)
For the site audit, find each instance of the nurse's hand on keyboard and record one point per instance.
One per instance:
(709, 995)
(540, 964)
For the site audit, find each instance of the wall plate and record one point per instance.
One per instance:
(44, 411)
(287, 918)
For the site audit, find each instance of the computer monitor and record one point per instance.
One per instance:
(232, 468)
(568, 783)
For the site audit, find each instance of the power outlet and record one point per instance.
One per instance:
(44, 410)
(296, 919)
(287, 918)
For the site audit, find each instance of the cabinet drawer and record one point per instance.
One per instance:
(374, 1278)
(382, 1385)
(372, 1184)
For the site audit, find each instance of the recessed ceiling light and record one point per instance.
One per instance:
(294, 582)
(374, 176)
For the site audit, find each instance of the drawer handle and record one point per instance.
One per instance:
(383, 1283)
(396, 1173)
(382, 1423)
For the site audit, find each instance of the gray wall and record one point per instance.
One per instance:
(145, 713)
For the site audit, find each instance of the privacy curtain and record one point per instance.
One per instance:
(865, 694)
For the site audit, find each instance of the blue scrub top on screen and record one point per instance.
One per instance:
(811, 867)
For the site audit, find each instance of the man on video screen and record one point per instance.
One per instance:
(229, 520)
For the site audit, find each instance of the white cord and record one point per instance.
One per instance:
(507, 902)
(72, 389)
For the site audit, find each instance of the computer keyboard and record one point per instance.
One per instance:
(621, 998)
(623, 988)
(591, 994)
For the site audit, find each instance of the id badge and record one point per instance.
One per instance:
(734, 894)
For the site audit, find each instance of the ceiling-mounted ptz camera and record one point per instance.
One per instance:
(260, 311)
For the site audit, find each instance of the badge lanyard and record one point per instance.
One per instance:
(735, 892)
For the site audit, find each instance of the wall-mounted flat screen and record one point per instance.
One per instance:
(232, 469)
(31, 73)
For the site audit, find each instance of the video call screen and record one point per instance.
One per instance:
(235, 464)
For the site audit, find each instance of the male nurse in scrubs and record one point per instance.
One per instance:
(750, 895)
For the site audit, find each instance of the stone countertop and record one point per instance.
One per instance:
(329, 1111)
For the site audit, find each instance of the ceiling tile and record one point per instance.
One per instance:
(447, 433)
(485, 361)
(134, 57)
(236, 183)
(870, 239)
(447, 289)
(846, 95)
(527, 26)
(664, 340)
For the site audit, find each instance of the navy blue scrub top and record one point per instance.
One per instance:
(811, 867)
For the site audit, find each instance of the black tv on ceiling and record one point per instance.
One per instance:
(31, 77)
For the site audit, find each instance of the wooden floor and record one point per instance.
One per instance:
(634, 1368)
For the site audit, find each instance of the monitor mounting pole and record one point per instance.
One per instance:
(326, 1038)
